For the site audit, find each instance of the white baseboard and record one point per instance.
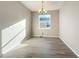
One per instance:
(45, 36)
(69, 47)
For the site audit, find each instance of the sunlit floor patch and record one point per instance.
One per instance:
(41, 48)
(24, 45)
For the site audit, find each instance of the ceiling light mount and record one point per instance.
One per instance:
(42, 10)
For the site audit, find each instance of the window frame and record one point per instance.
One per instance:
(49, 21)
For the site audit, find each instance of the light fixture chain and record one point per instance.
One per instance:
(42, 10)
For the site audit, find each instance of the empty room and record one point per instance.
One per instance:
(39, 29)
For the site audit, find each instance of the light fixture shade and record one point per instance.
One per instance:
(42, 11)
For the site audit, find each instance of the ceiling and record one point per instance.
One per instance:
(48, 5)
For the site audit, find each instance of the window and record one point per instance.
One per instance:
(44, 22)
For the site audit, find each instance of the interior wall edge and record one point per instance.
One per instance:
(24, 6)
(60, 37)
(44, 36)
(26, 38)
(0, 45)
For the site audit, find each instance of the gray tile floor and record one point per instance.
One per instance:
(41, 48)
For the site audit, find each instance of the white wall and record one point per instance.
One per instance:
(14, 19)
(53, 32)
(69, 25)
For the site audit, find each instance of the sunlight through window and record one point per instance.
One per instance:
(13, 35)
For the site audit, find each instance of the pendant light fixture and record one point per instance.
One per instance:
(42, 10)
